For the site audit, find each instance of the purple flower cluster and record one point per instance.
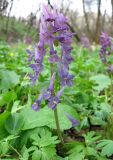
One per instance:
(36, 57)
(54, 32)
(105, 43)
(106, 50)
(49, 95)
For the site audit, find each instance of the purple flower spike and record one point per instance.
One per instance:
(72, 120)
(47, 95)
(37, 103)
(105, 42)
(54, 31)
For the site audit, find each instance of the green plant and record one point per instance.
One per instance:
(106, 147)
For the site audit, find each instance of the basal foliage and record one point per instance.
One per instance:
(25, 134)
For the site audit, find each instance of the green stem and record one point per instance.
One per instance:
(15, 150)
(56, 113)
(58, 126)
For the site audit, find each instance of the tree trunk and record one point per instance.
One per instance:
(112, 17)
(86, 18)
(97, 31)
(7, 23)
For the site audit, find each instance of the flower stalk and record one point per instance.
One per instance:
(58, 126)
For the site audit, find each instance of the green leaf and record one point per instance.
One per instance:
(48, 152)
(97, 120)
(4, 147)
(102, 81)
(44, 139)
(14, 123)
(91, 151)
(31, 134)
(60, 158)
(15, 106)
(36, 155)
(45, 117)
(106, 146)
(76, 156)
(9, 79)
(8, 97)
(84, 122)
(90, 137)
(3, 118)
(24, 153)
(75, 147)
(43, 143)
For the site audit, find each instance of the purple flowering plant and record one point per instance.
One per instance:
(105, 53)
(106, 49)
(54, 32)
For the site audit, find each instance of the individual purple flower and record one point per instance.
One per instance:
(66, 60)
(60, 23)
(47, 94)
(33, 77)
(65, 77)
(54, 100)
(37, 103)
(47, 15)
(39, 51)
(53, 55)
(46, 26)
(72, 120)
(37, 67)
